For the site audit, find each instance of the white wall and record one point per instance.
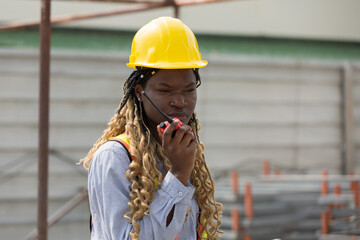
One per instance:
(314, 19)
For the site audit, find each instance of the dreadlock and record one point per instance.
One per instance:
(128, 119)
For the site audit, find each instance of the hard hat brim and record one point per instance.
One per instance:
(166, 65)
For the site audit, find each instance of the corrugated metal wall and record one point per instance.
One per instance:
(287, 111)
(250, 109)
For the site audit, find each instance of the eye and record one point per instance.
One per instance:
(190, 90)
(164, 90)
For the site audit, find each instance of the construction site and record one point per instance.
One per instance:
(279, 112)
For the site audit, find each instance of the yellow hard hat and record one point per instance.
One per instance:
(165, 43)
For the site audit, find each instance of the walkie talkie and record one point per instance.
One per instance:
(169, 120)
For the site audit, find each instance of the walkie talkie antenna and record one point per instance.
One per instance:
(169, 119)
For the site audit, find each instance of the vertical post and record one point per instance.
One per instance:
(355, 190)
(337, 190)
(266, 168)
(248, 201)
(348, 160)
(247, 237)
(43, 149)
(324, 187)
(235, 183)
(325, 223)
(235, 220)
(175, 6)
(324, 184)
(176, 11)
(337, 193)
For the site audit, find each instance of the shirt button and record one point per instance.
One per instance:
(180, 194)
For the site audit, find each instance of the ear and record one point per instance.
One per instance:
(138, 91)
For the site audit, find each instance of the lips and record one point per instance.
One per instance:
(181, 116)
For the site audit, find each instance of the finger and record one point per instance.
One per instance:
(186, 130)
(159, 132)
(193, 145)
(187, 139)
(180, 133)
(167, 135)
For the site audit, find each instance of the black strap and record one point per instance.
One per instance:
(127, 150)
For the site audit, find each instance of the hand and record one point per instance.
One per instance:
(180, 150)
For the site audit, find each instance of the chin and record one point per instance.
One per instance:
(184, 120)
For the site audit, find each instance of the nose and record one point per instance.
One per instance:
(178, 100)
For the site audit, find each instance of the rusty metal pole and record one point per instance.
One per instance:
(70, 18)
(43, 148)
(176, 10)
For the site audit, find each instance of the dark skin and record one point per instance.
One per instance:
(174, 92)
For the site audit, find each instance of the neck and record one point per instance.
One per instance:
(153, 129)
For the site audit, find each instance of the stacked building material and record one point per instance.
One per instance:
(290, 207)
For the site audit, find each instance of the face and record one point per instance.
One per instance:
(173, 91)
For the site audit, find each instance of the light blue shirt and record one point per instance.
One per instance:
(109, 194)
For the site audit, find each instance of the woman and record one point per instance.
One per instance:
(146, 182)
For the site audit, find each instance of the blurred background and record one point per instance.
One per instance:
(279, 107)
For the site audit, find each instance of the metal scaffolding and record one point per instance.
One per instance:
(136, 6)
(44, 82)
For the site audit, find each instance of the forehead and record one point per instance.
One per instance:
(173, 77)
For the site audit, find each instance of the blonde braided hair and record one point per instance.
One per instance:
(128, 119)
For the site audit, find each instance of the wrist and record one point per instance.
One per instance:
(183, 178)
